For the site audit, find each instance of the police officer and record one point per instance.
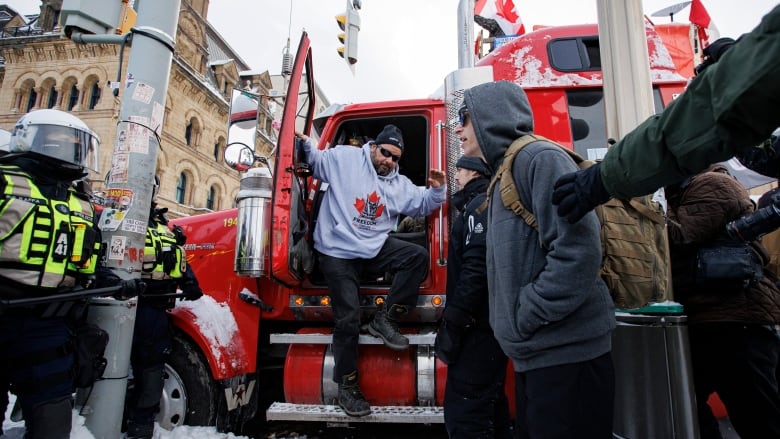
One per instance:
(49, 247)
(164, 270)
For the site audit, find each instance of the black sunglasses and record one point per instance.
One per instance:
(462, 115)
(389, 154)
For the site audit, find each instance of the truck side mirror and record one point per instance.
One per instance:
(239, 156)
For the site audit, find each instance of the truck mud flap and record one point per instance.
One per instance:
(281, 411)
(238, 402)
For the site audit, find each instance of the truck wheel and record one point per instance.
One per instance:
(189, 393)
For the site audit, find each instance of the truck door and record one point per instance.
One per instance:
(290, 252)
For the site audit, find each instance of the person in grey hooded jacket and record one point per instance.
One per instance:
(549, 309)
(365, 197)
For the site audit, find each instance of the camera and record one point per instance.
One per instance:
(757, 224)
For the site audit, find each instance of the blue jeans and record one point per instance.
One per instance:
(409, 265)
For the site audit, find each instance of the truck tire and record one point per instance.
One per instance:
(189, 393)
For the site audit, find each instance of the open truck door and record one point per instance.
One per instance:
(290, 253)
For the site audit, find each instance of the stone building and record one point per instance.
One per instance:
(40, 68)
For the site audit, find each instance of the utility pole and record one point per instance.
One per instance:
(129, 189)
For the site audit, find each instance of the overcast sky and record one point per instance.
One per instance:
(406, 47)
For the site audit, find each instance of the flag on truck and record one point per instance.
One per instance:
(705, 28)
(499, 17)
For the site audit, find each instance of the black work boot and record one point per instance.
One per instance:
(385, 326)
(351, 399)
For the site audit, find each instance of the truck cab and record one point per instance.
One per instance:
(258, 269)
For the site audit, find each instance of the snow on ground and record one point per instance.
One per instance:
(15, 430)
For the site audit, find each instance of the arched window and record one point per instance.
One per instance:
(52, 101)
(73, 99)
(32, 96)
(94, 95)
(181, 188)
(188, 133)
(211, 198)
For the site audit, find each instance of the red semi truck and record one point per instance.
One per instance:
(261, 334)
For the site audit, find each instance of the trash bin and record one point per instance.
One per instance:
(654, 396)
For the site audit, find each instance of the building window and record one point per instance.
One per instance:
(94, 96)
(216, 152)
(181, 188)
(31, 98)
(73, 99)
(52, 98)
(188, 133)
(211, 197)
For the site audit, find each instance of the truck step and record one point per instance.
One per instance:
(414, 339)
(282, 411)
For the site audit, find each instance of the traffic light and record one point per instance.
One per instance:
(92, 16)
(349, 23)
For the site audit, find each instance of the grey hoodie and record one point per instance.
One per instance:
(548, 304)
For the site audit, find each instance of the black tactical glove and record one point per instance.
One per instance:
(454, 324)
(579, 192)
(763, 158)
(191, 290)
(178, 232)
(131, 288)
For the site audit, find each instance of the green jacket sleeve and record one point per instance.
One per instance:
(734, 104)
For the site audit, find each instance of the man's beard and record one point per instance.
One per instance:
(382, 170)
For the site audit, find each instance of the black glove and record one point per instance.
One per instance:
(131, 288)
(178, 232)
(191, 290)
(579, 192)
(763, 158)
(455, 323)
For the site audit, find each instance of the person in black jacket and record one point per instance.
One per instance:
(474, 401)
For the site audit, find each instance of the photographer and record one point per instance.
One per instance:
(732, 304)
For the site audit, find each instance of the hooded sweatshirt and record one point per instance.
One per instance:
(360, 207)
(548, 304)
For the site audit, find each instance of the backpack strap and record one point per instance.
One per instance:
(510, 197)
(645, 210)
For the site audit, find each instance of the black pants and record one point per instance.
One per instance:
(739, 362)
(475, 405)
(407, 262)
(151, 346)
(30, 349)
(566, 402)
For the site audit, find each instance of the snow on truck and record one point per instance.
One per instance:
(255, 262)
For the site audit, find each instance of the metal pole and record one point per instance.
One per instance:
(625, 65)
(662, 404)
(465, 33)
(129, 195)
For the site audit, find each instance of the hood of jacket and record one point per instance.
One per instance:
(500, 113)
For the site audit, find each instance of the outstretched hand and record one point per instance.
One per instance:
(436, 178)
(579, 192)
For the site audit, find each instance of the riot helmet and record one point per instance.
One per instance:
(56, 135)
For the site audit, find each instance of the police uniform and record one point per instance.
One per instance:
(164, 269)
(48, 245)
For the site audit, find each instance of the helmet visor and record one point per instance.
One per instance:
(66, 144)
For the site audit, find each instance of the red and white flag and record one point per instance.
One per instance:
(504, 14)
(704, 25)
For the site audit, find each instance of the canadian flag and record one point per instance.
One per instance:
(704, 25)
(503, 13)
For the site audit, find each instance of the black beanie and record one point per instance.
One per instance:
(473, 163)
(390, 135)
